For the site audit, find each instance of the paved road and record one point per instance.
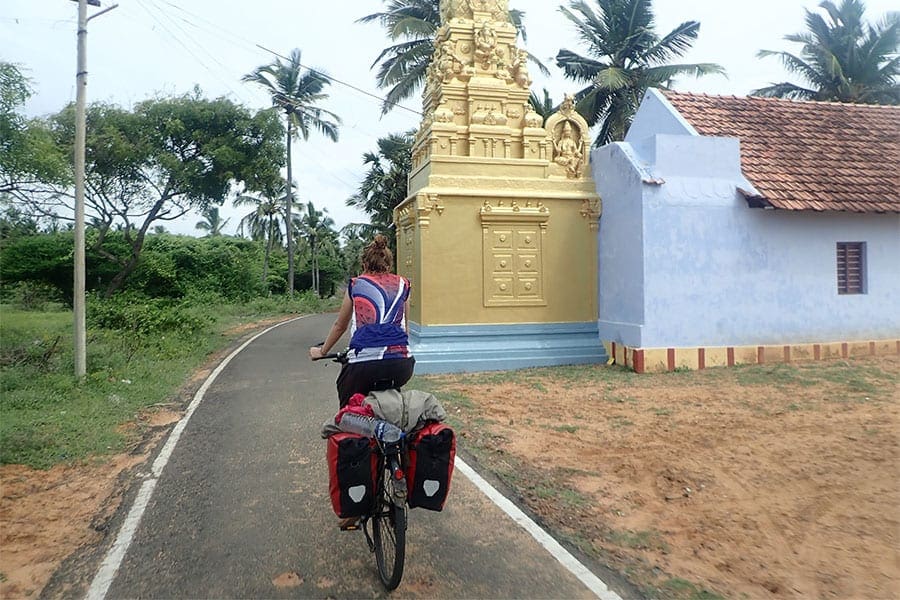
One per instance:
(244, 501)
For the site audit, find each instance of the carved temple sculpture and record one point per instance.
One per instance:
(568, 131)
(498, 230)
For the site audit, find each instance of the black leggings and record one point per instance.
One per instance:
(362, 377)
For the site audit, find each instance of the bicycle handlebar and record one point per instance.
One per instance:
(338, 357)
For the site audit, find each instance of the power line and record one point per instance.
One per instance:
(202, 47)
(312, 156)
(344, 83)
(186, 48)
(244, 40)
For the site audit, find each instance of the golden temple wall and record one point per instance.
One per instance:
(500, 225)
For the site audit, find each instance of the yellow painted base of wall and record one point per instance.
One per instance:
(655, 360)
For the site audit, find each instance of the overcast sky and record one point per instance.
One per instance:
(150, 47)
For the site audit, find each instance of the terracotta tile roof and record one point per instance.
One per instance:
(807, 155)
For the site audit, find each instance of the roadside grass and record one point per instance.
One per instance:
(847, 381)
(48, 417)
(643, 540)
(565, 428)
(684, 589)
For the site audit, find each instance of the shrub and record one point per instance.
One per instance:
(181, 266)
(31, 295)
(276, 284)
(145, 316)
(45, 260)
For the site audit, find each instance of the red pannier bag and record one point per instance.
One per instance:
(352, 470)
(431, 455)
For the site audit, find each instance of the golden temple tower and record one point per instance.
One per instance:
(498, 234)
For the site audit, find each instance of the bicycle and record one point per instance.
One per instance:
(388, 514)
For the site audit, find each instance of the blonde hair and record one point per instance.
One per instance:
(377, 257)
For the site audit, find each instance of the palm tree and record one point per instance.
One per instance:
(625, 58)
(543, 106)
(263, 222)
(315, 226)
(842, 59)
(212, 222)
(412, 24)
(351, 250)
(385, 184)
(296, 90)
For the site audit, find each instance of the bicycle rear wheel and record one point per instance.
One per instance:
(389, 533)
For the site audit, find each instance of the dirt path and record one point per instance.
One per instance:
(776, 481)
(47, 515)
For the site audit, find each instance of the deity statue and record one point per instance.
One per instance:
(495, 7)
(449, 64)
(454, 9)
(568, 151)
(519, 69)
(485, 45)
(568, 104)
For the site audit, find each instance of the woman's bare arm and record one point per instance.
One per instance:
(337, 330)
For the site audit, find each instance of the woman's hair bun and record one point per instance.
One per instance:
(377, 256)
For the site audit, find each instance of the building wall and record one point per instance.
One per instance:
(620, 247)
(459, 244)
(707, 270)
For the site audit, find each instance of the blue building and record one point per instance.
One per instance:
(741, 230)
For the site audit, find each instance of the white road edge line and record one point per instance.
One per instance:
(565, 558)
(116, 553)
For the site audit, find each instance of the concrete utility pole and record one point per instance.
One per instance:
(80, 126)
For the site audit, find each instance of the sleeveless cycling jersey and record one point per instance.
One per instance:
(378, 324)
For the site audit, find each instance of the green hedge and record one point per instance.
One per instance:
(171, 266)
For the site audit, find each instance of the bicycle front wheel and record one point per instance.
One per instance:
(389, 533)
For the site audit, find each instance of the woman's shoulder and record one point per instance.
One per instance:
(383, 277)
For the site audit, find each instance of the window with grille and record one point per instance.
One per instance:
(851, 267)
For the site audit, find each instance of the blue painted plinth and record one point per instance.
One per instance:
(467, 348)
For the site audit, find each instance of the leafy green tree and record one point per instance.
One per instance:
(27, 152)
(331, 272)
(317, 230)
(171, 266)
(842, 58)
(14, 223)
(178, 266)
(413, 24)
(159, 161)
(14, 91)
(351, 251)
(263, 222)
(297, 91)
(45, 259)
(625, 57)
(385, 184)
(212, 222)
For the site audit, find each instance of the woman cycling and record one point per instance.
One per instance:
(374, 307)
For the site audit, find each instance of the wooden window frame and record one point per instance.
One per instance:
(851, 268)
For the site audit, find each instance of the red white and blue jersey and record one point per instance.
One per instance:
(378, 323)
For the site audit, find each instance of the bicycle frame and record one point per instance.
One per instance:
(388, 516)
(391, 481)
